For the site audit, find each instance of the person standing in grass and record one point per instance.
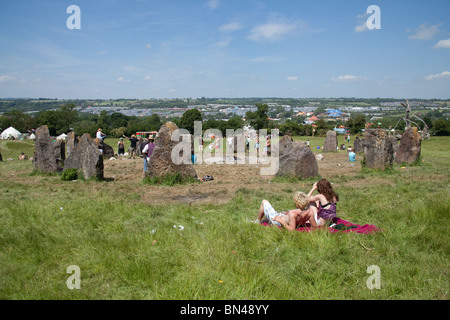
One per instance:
(121, 148)
(287, 219)
(147, 153)
(133, 141)
(322, 205)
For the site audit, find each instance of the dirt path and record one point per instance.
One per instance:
(228, 178)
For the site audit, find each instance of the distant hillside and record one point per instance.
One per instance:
(42, 104)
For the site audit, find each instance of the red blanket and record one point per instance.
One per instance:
(366, 229)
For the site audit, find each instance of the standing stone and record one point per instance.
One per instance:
(161, 163)
(71, 142)
(296, 159)
(358, 145)
(86, 158)
(138, 147)
(107, 150)
(239, 144)
(48, 156)
(378, 149)
(410, 146)
(331, 142)
(60, 153)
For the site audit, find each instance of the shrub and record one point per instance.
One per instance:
(69, 175)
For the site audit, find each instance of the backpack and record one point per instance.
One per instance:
(207, 178)
(142, 146)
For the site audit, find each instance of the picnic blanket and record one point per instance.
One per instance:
(340, 225)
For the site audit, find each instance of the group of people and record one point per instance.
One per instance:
(146, 147)
(316, 210)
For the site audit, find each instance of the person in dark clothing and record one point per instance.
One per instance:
(133, 141)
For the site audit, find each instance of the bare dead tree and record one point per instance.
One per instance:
(425, 130)
(408, 111)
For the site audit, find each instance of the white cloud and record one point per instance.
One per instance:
(444, 74)
(362, 23)
(213, 4)
(146, 78)
(101, 52)
(122, 79)
(292, 78)
(348, 78)
(5, 78)
(173, 90)
(230, 27)
(148, 46)
(361, 27)
(272, 31)
(424, 32)
(442, 44)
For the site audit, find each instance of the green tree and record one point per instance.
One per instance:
(441, 127)
(118, 120)
(17, 119)
(356, 124)
(258, 119)
(188, 118)
(58, 121)
(235, 122)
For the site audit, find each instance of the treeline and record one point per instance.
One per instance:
(66, 118)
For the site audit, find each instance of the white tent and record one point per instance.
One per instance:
(32, 136)
(62, 137)
(10, 132)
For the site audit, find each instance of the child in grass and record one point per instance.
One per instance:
(287, 219)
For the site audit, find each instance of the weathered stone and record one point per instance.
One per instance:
(60, 153)
(296, 159)
(358, 145)
(238, 144)
(331, 142)
(48, 156)
(71, 142)
(410, 146)
(161, 163)
(86, 158)
(107, 150)
(378, 149)
(138, 147)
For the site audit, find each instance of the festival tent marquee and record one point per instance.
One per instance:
(62, 137)
(10, 132)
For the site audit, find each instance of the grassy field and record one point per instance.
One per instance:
(125, 236)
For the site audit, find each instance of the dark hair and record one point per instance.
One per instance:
(324, 187)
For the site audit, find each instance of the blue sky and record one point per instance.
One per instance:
(224, 48)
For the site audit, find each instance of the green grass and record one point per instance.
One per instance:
(47, 225)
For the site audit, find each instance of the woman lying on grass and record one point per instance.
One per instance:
(287, 219)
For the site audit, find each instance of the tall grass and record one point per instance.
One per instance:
(128, 250)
